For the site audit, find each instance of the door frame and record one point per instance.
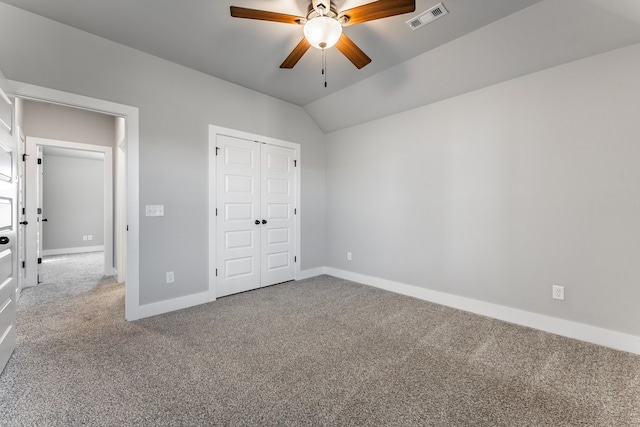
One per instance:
(214, 131)
(32, 216)
(21, 170)
(131, 115)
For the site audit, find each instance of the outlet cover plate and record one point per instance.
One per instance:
(558, 292)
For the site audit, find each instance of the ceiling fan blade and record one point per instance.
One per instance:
(263, 15)
(352, 52)
(296, 54)
(377, 10)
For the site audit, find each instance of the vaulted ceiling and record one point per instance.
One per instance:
(477, 44)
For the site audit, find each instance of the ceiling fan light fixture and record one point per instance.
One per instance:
(322, 32)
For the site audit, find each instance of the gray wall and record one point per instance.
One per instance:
(68, 124)
(176, 107)
(493, 195)
(73, 202)
(500, 193)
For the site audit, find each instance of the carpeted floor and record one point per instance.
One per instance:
(63, 276)
(322, 351)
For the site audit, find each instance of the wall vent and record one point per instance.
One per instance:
(437, 11)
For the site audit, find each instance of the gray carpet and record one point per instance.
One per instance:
(322, 351)
(67, 275)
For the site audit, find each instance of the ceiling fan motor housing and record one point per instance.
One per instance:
(314, 11)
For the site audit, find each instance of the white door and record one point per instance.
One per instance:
(277, 207)
(39, 216)
(22, 212)
(33, 183)
(238, 215)
(255, 222)
(8, 218)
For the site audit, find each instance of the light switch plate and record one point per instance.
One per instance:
(155, 210)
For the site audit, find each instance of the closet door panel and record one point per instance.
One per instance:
(238, 243)
(277, 207)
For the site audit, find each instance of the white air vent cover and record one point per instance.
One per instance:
(437, 11)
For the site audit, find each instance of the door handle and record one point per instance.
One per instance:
(45, 220)
(4, 240)
(24, 222)
(257, 222)
(264, 221)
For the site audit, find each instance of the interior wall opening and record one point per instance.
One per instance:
(73, 191)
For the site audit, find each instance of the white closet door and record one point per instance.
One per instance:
(7, 230)
(238, 235)
(278, 203)
(255, 218)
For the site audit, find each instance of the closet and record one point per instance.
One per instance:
(255, 214)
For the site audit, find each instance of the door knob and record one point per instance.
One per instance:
(257, 222)
(4, 240)
(24, 222)
(264, 221)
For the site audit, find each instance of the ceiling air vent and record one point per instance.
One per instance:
(437, 11)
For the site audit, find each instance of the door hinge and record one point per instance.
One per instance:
(24, 157)
(24, 211)
(295, 211)
(127, 228)
(216, 272)
(24, 264)
(217, 149)
(295, 259)
(295, 163)
(39, 161)
(39, 260)
(216, 211)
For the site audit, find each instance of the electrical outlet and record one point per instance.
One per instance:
(558, 292)
(89, 237)
(349, 256)
(170, 277)
(84, 237)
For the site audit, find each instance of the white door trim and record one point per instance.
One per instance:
(131, 114)
(32, 144)
(214, 131)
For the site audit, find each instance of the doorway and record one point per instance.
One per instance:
(69, 203)
(129, 221)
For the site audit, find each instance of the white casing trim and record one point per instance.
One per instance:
(554, 325)
(108, 196)
(78, 250)
(38, 93)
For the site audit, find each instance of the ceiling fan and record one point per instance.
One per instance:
(323, 25)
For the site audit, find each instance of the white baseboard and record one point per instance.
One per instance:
(311, 272)
(566, 328)
(166, 306)
(554, 325)
(66, 251)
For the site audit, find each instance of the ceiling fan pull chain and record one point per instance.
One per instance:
(324, 66)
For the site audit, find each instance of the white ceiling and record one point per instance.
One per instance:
(480, 42)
